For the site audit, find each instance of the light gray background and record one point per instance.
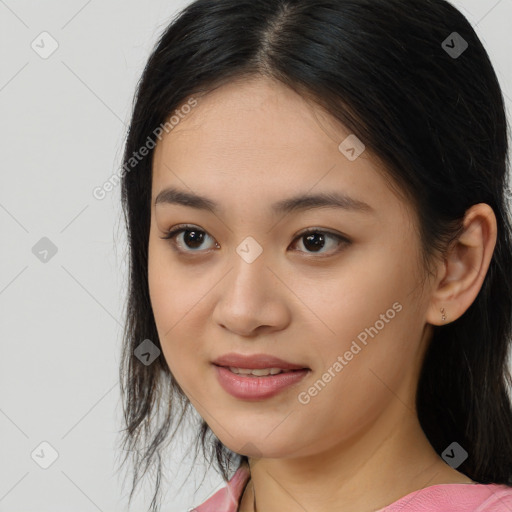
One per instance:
(63, 122)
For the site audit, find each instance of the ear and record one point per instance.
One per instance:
(463, 269)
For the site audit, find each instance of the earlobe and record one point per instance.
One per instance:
(465, 266)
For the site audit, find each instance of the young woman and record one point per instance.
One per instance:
(320, 244)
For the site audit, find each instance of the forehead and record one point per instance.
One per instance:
(255, 138)
(257, 113)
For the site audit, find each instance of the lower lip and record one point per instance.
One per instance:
(256, 388)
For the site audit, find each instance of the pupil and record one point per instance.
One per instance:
(318, 244)
(192, 237)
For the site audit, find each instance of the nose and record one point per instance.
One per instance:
(252, 299)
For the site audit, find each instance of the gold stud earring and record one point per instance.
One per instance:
(443, 313)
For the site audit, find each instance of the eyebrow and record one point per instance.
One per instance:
(296, 203)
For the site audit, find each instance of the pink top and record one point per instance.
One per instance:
(436, 498)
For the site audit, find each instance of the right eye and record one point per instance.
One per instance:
(192, 238)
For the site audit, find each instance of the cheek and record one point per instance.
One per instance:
(357, 381)
(344, 302)
(174, 290)
(369, 323)
(172, 301)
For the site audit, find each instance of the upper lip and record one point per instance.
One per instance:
(255, 361)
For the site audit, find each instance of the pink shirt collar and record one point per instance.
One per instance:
(435, 498)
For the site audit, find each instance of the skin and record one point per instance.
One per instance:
(357, 445)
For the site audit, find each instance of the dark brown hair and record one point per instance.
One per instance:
(437, 120)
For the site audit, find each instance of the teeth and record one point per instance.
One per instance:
(257, 372)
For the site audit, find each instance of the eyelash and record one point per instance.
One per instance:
(172, 233)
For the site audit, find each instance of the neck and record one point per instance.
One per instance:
(390, 459)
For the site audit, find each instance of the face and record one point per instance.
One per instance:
(331, 288)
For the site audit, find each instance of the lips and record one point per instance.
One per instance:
(245, 387)
(256, 361)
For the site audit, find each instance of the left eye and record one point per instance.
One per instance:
(313, 240)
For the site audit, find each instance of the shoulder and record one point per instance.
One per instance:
(500, 499)
(227, 498)
(456, 498)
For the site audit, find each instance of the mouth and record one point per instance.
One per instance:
(257, 377)
(259, 372)
(250, 364)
